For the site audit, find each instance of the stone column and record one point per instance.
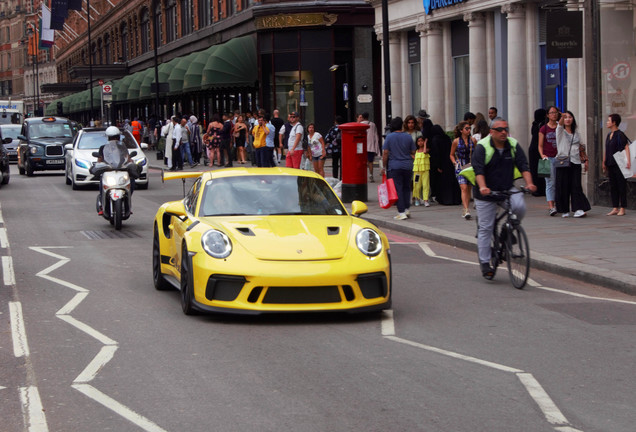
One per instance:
(517, 77)
(477, 62)
(435, 66)
(421, 29)
(395, 54)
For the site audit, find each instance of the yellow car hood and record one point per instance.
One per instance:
(290, 238)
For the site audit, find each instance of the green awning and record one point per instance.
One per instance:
(177, 74)
(192, 78)
(135, 85)
(149, 78)
(75, 102)
(51, 108)
(232, 64)
(120, 88)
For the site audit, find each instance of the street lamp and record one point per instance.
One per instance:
(345, 86)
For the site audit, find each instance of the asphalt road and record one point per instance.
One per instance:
(87, 344)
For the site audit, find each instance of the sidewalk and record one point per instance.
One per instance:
(596, 249)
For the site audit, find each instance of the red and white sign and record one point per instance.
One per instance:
(107, 89)
(621, 70)
(100, 82)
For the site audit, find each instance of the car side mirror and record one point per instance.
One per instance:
(358, 208)
(176, 208)
(68, 146)
(133, 153)
(95, 154)
(22, 137)
(144, 146)
(7, 140)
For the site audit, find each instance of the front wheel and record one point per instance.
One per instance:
(518, 256)
(117, 214)
(187, 283)
(29, 170)
(159, 281)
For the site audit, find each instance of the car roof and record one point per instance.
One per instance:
(41, 119)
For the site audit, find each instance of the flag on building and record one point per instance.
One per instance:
(48, 35)
(75, 5)
(59, 12)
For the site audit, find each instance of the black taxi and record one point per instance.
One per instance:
(42, 141)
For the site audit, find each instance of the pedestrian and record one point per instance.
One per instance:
(137, 129)
(212, 139)
(186, 151)
(568, 179)
(226, 140)
(196, 143)
(443, 180)
(167, 131)
(470, 118)
(492, 114)
(177, 142)
(317, 148)
(548, 150)
(294, 143)
(460, 155)
(278, 124)
(481, 130)
(270, 158)
(533, 151)
(260, 133)
(497, 161)
(398, 153)
(421, 116)
(411, 127)
(421, 170)
(333, 139)
(373, 142)
(615, 142)
(240, 139)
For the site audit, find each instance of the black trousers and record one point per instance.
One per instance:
(618, 187)
(177, 159)
(568, 189)
(335, 164)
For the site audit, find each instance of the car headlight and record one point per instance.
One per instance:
(34, 149)
(142, 162)
(216, 244)
(369, 242)
(82, 163)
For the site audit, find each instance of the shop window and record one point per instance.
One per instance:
(205, 13)
(107, 55)
(171, 21)
(157, 24)
(124, 41)
(186, 17)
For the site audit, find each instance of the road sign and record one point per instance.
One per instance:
(621, 70)
(100, 82)
(107, 92)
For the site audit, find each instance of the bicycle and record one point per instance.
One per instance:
(509, 242)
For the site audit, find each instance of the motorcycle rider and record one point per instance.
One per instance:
(112, 148)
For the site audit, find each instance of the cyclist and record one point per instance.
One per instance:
(497, 161)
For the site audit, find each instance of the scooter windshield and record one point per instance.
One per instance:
(115, 154)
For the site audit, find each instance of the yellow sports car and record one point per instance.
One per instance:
(255, 240)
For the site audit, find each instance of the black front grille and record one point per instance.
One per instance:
(224, 287)
(373, 285)
(302, 295)
(54, 150)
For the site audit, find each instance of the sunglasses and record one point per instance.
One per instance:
(501, 129)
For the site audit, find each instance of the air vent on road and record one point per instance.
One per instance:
(103, 235)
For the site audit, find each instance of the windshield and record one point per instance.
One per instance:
(114, 154)
(269, 195)
(94, 140)
(10, 131)
(50, 130)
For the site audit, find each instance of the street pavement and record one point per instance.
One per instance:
(595, 249)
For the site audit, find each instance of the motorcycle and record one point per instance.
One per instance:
(117, 172)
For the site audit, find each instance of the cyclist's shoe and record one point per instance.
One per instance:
(486, 271)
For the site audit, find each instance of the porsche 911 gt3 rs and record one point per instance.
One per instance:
(256, 240)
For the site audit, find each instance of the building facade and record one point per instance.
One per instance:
(216, 56)
(450, 57)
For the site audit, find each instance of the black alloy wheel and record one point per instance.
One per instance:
(187, 285)
(157, 277)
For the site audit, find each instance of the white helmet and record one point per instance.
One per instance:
(112, 133)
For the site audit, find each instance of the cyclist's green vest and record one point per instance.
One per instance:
(469, 173)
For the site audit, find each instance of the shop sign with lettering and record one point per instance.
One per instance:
(431, 5)
(564, 34)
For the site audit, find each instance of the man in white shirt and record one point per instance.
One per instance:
(177, 142)
(294, 143)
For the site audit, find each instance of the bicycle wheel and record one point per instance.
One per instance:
(518, 256)
(494, 254)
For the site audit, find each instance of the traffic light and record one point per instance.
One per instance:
(60, 109)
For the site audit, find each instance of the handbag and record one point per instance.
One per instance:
(564, 161)
(387, 194)
(544, 168)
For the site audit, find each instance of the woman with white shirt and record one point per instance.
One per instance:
(568, 179)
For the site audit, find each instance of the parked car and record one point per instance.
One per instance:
(257, 240)
(4, 160)
(42, 141)
(11, 131)
(79, 156)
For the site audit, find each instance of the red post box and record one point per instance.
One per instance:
(354, 161)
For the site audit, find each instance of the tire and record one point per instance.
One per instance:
(187, 285)
(117, 214)
(68, 179)
(142, 186)
(157, 277)
(5, 178)
(74, 185)
(20, 170)
(518, 256)
(29, 169)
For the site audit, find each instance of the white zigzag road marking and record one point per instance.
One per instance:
(105, 354)
(553, 415)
